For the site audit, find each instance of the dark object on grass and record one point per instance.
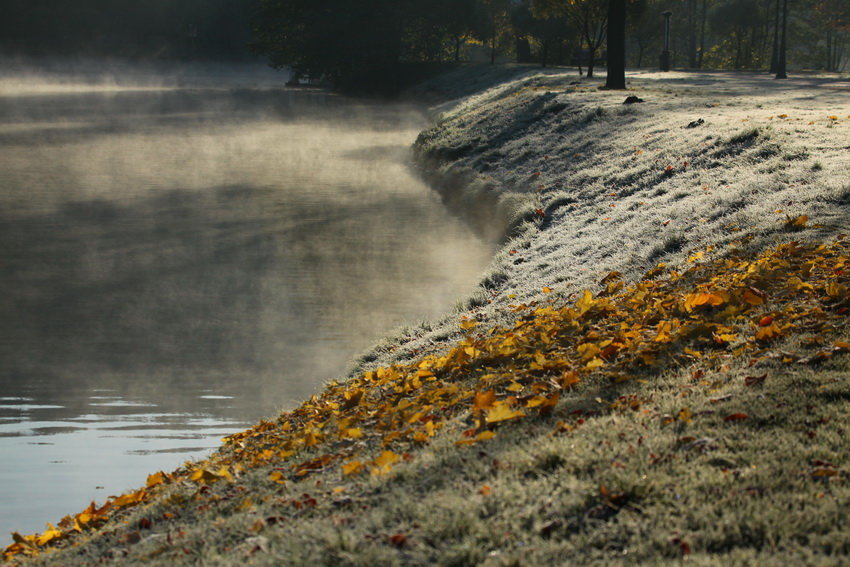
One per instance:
(696, 123)
(632, 99)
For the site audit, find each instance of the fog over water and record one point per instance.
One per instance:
(182, 253)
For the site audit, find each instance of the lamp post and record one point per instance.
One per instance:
(665, 55)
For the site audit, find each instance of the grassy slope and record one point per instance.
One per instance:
(645, 470)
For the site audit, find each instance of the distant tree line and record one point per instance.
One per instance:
(347, 40)
(370, 40)
(217, 29)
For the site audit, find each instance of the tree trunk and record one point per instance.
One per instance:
(616, 78)
(774, 54)
(703, 18)
(692, 34)
(781, 72)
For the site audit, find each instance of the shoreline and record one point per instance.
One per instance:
(497, 462)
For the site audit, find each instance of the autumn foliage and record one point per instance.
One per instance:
(704, 315)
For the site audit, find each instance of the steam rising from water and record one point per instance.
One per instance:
(206, 249)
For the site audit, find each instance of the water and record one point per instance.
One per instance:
(182, 254)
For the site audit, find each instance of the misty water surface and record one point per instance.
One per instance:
(183, 254)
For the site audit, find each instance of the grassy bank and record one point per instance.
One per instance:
(653, 370)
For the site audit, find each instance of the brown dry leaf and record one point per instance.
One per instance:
(755, 380)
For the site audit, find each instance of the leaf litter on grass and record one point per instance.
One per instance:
(711, 313)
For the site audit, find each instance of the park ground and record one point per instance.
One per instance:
(653, 370)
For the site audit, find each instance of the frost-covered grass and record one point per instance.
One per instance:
(654, 470)
(766, 151)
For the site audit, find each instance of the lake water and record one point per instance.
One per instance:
(184, 253)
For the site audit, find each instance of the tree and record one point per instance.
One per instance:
(781, 72)
(834, 17)
(545, 34)
(492, 19)
(589, 16)
(616, 78)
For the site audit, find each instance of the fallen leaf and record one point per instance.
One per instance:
(501, 411)
(352, 467)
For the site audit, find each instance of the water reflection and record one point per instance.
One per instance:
(178, 262)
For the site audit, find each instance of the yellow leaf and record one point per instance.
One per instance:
(691, 352)
(352, 433)
(484, 400)
(130, 499)
(569, 378)
(725, 338)
(588, 351)
(156, 479)
(585, 302)
(352, 468)
(547, 290)
(696, 257)
(204, 476)
(485, 435)
(501, 411)
(514, 387)
(594, 364)
(798, 222)
(663, 330)
(468, 325)
(278, 477)
(51, 534)
(384, 463)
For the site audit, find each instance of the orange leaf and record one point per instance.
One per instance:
(754, 296)
(693, 300)
(736, 417)
(768, 333)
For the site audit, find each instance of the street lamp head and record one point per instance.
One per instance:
(667, 13)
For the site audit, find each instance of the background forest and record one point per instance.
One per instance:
(342, 39)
